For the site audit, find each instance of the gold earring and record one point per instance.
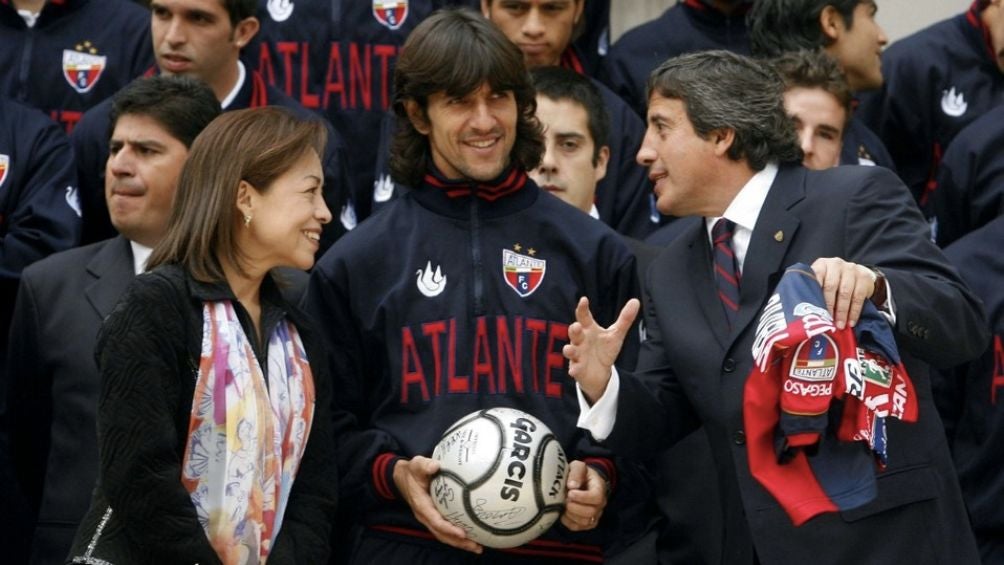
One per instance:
(247, 220)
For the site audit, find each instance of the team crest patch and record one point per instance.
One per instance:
(280, 10)
(815, 359)
(390, 13)
(83, 66)
(523, 273)
(4, 167)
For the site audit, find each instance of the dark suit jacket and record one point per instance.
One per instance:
(53, 388)
(693, 370)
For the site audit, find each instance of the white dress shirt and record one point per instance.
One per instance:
(140, 255)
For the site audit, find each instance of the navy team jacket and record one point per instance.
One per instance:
(970, 189)
(971, 397)
(937, 81)
(79, 53)
(458, 297)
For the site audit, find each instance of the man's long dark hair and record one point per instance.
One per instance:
(456, 51)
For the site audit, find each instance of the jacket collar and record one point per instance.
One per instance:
(705, 13)
(510, 192)
(982, 34)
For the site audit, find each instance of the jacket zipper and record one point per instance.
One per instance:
(479, 301)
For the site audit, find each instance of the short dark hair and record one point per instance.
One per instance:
(183, 106)
(456, 51)
(255, 145)
(558, 83)
(723, 90)
(240, 9)
(779, 26)
(814, 69)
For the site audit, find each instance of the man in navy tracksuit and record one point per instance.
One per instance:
(623, 197)
(454, 298)
(39, 215)
(937, 81)
(187, 46)
(71, 54)
(970, 189)
(687, 26)
(845, 30)
(971, 396)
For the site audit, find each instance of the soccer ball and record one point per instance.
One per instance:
(501, 477)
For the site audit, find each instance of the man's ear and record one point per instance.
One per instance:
(831, 23)
(486, 8)
(602, 160)
(245, 30)
(417, 117)
(723, 138)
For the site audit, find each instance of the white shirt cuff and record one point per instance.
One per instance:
(888, 310)
(599, 418)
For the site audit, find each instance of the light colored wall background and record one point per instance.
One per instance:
(898, 18)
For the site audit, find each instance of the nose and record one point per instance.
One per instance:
(548, 164)
(321, 211)
(882, 39)
(646, 153)
(805, 141)
(175, 33)
(533, 25)
(120, 163)
(482, 118)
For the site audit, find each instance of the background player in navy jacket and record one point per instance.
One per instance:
(337, 58)
(544, 31)
(203, 39)
(39, 215)
(817, 98)
(845, 30)
(937, 81)
(416, 300)
(971, 396)
(74, 54)
(970, 189)
(687, 26)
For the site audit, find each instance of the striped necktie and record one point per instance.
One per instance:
(727, 274)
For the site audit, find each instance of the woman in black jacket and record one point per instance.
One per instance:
(214, 422)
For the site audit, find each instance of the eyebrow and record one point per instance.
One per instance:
(569, 134)
(830, 129)
(151, 143)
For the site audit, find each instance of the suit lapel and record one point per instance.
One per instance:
(699, 264)
(774, 231)
(111, 270)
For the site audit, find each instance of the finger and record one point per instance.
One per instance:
(576, 523)
(627, 316)
(582, 313)
(576, 333)
(576, 475)
(829, 279)
(862, 290)
(845, 293)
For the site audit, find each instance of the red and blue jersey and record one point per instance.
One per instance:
(816, 401)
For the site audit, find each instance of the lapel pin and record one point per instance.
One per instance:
(779, 236)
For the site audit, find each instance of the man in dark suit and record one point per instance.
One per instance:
(719, 145)
(53, 379)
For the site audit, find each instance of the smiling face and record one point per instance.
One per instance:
(567, 169)
(819, 122)
(141, 176)
(679, 161)
(195, 38)
(286, 217)
(470, 136)
(541, 28)
(858, 48)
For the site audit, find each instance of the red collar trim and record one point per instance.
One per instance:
(509, 182)
(973, 17)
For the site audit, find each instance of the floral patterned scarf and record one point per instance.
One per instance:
(246, 438)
